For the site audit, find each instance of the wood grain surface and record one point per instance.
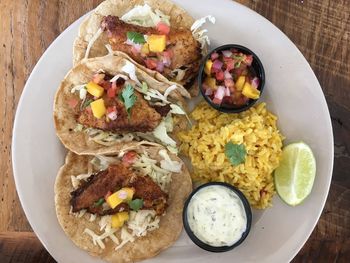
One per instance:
(320, 29)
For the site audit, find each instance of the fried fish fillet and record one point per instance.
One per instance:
(180, 42)
(143, 117)
(116, 177)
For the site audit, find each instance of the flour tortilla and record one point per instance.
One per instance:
(153, 243)
(64, 116)
(179, 18)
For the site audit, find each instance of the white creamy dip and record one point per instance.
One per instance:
(216, 216)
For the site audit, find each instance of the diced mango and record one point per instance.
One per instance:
(208, 65)
(98, 108)
(240, 82)
(119, 219)
(250, 92)
(211, 82)
(123, 195)
(94, 89)
(145, 49)
(157, 43)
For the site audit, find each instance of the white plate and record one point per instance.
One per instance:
(292, 92)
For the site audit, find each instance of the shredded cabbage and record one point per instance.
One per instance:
(168, 164)
(149, 166)
(145, 16)
(82, 91)
(200, 35)
(160, 132)
(130, 69)
(108, 138)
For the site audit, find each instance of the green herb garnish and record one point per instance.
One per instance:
(235, 153)
(86, 103)
(99, 202)
(135, 37)
(128, 98)
(136, 204)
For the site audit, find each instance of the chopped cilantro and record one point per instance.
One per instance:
(136, 204)
(99, 202)
(86, 103)
(235, 153)
(135, 37)
(128, 97)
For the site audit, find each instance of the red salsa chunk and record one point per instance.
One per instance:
(230, 79)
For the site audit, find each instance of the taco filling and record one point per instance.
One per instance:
(127, 193)
(159, 48)
(112, 108)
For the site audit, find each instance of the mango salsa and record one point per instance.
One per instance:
(98, 108)
(94, 89)
(123, 195)
(240, 82)
(208, 65)
(250, 92)
(145, 49)
(157, 43)
(119, 219)
(211, 82)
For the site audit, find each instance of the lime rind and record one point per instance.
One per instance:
(295, 176)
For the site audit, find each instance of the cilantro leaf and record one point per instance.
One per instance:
(128, 97)
(235, 153)
(136, 204)
(86, 103)
(99, 202)
(135, 37)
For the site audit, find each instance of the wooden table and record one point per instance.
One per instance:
(320, 29)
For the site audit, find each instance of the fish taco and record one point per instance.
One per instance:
(122, 208)
(158, 36)
(106, 102)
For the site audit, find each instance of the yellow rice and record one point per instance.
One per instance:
(256, 128)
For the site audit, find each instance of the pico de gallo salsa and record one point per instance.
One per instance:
(229, 78)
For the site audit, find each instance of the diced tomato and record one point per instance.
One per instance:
(88, 109)
(248, 60)
(227, 100)
(98, 78)
(111, 92)
(73, 103)
(107, 195)
(111, 109)
(163, 28)
(151, 63)
(216, 101)
(220, 75)
(230, 64)
(129, 157)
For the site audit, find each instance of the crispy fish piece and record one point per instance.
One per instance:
(112, 179)
(143, 117)
(180, 42)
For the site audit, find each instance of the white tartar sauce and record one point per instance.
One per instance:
(216, 216)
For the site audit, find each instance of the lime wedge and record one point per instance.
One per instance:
(296, 173)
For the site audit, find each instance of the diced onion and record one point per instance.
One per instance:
(112, 115)
(255, 82)
(217, 65)
(227, 53)
(227, 75)
(220, 92)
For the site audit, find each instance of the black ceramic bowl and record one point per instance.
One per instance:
(257, 67)
(200, 243)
